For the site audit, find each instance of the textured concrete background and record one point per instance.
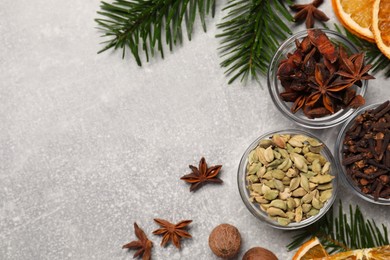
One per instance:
(91, 143)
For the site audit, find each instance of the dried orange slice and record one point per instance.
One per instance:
(356, 16)
(312, 249)
(377, 253)
(381, 25)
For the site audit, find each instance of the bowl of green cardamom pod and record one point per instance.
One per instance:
(288, 179)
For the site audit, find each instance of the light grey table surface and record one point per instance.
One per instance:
(90, 144)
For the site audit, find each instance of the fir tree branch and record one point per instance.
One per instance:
(343, 233)
(251, 32)
(373, 55)
(142, 24)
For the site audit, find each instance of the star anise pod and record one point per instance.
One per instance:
(325, 89)
(319, 78)
(172, 232)
(353, 68)
(309, 12)
(324, 45)
(144, 245)
(315, 112)
(202, 175)
(298, 103)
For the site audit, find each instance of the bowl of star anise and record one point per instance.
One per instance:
(317, 78)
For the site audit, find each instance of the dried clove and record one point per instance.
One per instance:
(366, 151)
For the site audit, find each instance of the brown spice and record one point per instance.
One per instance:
(202, 175)
(352, 68)
(259, 253)
(318, 76)
(225, 241)
(309, 12)
(323, 89)
(323, 44)
(144, 245)
(366, 151)
(172, 232)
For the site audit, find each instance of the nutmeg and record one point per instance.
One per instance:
(225, 241)
(259, 253)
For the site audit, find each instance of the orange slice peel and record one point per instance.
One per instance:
(381, 25)
(312, 249)
(355, 16)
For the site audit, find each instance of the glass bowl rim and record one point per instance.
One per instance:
(341, 169)
(258, 213)
(318, 123)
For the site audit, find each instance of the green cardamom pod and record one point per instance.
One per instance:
(276, 212)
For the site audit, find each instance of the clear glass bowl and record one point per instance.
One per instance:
(345, 178)
(275, 87)
(255, 209)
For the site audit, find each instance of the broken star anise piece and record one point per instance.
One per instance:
(298, 103)
(144, 245)
(324, 45)
(202, 175)
(309, 12)
(172, 232)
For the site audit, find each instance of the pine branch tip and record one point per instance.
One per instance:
(132, 20)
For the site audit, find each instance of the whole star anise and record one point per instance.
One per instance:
(353, 69)
(144, 245)
(324, 88)
(309, 12)
(202, 175)
(172, 232)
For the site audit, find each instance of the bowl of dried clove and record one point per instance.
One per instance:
(288, 179)
(317, 78)
(363, 153)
